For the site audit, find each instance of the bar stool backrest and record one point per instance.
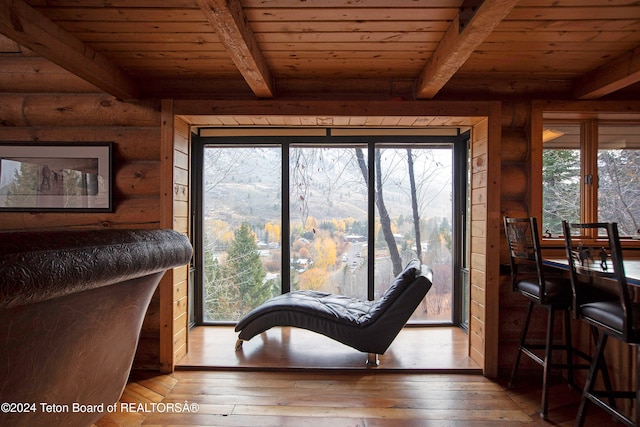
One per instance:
(597, 270)
(524, 252)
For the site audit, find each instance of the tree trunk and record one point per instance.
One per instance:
(414, 205)
(385, 221)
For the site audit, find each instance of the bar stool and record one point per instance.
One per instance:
(551, 293)
(602, 299)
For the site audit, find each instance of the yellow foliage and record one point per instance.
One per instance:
(273, 231)
(311, 223)
(314, 279)
(276, 233)
(228, 236)
(325, 252)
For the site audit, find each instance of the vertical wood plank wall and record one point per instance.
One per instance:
(484, 281)
(174, 207)
(477, 300)
(181, 215)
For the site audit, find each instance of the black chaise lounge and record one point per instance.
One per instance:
(367, 326)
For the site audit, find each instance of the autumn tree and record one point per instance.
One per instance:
(326, 252)
(314, 279)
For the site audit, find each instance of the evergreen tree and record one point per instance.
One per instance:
(560, 188)
(245, 270)
(23, 189)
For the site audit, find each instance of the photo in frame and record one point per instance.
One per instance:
(70, 177)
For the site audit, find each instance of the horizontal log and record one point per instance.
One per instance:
(514, 207)
(516, 113)
(514, 146)
(137, 179)
(76, 110)
(136, 213)
(515, 181)
(130, 143)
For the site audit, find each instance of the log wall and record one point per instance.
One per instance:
(40, 102)
(514, 202)
(36, 108)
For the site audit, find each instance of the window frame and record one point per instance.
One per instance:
(458, 222)
(589, 114)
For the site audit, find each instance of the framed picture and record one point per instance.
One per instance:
(70, 177)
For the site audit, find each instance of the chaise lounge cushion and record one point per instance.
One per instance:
(368, 326)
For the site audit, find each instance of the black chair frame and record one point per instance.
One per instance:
(528, 277)
(609, 312)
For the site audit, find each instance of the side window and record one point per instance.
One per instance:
(619, 176)
(591, 173)
(561, 147)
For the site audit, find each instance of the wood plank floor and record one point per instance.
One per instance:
(342, 398)
(292, 378)
(441, 349)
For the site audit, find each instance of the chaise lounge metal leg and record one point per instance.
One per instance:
(372, 359)
(239, 344)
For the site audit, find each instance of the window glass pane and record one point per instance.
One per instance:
(241, 229)
(328, 215)
(429, 199)
(560, 176)
(619, 176)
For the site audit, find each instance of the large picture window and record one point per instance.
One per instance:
(341, 216)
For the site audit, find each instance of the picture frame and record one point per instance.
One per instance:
(56, 177)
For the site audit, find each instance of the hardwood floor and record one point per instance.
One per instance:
(344, 398)
(441, 349)
(296, 378)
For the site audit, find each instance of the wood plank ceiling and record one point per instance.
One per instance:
(334, 49)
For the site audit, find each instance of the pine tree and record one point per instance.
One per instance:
(245, 269)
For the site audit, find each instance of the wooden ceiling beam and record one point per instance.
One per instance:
(230, 22)
(615, 75)
(458, 44)
(28, 27)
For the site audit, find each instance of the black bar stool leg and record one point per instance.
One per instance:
(602, 367)
(544, 408)
(596, 364)
(568, 346)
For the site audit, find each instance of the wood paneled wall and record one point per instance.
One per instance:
(485, 190)
(181, 216)
(174, 310)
